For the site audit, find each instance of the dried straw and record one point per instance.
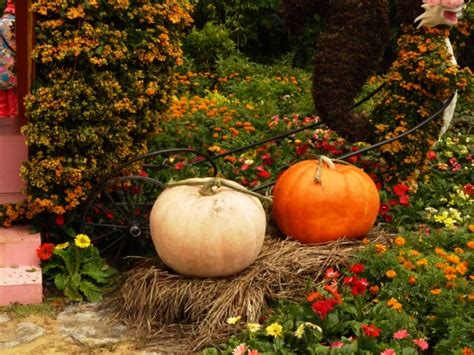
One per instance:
(179, 315)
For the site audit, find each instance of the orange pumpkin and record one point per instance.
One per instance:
(320, 201)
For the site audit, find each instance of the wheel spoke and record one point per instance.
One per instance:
(105, 225)
(117, 206)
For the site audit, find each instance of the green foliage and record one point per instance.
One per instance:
(255, 26)
(205, 46)
(79, 271)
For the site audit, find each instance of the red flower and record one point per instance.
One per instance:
(404, 200)
(262, 172)
(384, 208)
(400, 189)
(142, 173)
(179, 165)
(357, 268)
(371, 330)
(323, 307)
(388, 218)
(59, 220)
(359, 286)
(302, 149)
(45, 251)
(267, 159)
(468, 189)
(431, 155)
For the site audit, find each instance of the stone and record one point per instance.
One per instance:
(4, 318)
(90, 326)
(23, 333)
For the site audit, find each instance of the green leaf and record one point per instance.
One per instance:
(71, 291)
(60, 281)
(91, 291)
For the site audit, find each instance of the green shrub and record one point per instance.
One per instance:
(104, 77)
(205, 46)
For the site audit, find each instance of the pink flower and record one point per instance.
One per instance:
(422, 343)
(240, 349)
(253, 352)
(330, 273)
(400, 334)
(388, 352)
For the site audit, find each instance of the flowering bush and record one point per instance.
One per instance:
(103, 79)
(76, 269)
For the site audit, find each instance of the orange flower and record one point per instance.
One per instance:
(400, 241)
(470, 228)
(391, 274)
(470, 244)
(412, 280)
(453, 259)
(436, 291)
(374, 290)
(422, 262)
(380, 248)
(313, 296)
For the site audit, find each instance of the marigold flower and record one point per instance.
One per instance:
(470, 228)
(422, 262)
(274, 330)
(374, 290)
(436, 291)
(82, 241)
(299, 331)
(233, 320)
(391, 274)
(470, 244)
(400, 241)
(380, 248)
(45, 251)
(394, 304)
(253, 327)
(412, 280)
(453, 259)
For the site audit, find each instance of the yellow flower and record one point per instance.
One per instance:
(391, 274)
(400, 241)
(274, 330)
(62, 246)
(436, 291)
(233, 320)
(380, 248)
(82, 241)
(300, 331)
(253, 327)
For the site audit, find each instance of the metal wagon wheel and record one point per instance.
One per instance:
(116, 217)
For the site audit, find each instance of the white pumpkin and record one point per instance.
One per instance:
(203, 230)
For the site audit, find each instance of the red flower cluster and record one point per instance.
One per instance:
(45, 251)
(401, 190)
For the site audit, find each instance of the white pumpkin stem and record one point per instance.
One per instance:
(208, 184)
(328, 161)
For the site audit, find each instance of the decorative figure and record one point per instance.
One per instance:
(8, 96)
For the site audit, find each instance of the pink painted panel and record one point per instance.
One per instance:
(18, 246)
(22, 284)
(13, 151)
